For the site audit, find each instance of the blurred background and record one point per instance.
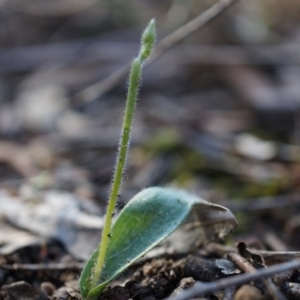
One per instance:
(218, 114)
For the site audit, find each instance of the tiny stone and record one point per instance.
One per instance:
(248, 292)
(48, 288)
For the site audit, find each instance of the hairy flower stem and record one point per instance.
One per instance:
(147, 42)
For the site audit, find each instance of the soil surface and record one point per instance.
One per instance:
(54, 275)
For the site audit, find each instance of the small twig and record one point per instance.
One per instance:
(192, 26)
(274, 242)
(244, 265)
(43, 267)
(247, 267)
(96, 90)
(277, 255)
(274, 255)
(241, 263)
(200, 289)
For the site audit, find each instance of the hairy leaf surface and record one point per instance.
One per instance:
(147, 219)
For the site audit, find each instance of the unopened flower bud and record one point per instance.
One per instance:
(148, 40)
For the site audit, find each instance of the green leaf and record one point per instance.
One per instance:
(147, 219)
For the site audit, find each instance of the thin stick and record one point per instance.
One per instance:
(241, 263)
(200, 289)
(247, 267)
(42, 267)
(96, 90)
(184, 31)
